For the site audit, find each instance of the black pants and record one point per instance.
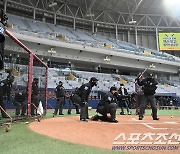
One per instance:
(152, 101)
(1, 55)
(71, 103)
(34, 100)
(59, 105)
(123, 103)
(3, 106)
(19, 106)
(84, 107)
(110, 108)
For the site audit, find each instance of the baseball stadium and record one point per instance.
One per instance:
(89, 76)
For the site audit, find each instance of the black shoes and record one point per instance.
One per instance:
(113, 120)
(95, 118)
(140, 118)
(122, 113)
(84, 120)
(156, 118)
(69, 112)
(77, 112)
(61, 114)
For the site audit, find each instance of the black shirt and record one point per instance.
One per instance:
(35, 89)
(149, 85)
(84, 91)
(108, 98)
(20, 97)
(60, 92)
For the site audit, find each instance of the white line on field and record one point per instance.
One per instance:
(134, 119)
(152, 127)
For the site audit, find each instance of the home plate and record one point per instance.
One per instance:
(170, 122)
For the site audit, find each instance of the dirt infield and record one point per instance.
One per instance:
(102, 134)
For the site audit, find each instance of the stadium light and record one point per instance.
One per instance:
(107, 58)
(52, 51)
(132, 22)
(52, 4)
(172, 7)
(90, 15)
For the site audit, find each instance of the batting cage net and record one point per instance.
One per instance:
(25, 75)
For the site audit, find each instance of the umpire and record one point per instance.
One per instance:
(81, 97)
(71, 103)
(19, 102)
(34, 95)
(60, 95)
(149, 87)
(107, 105)
(5, 90)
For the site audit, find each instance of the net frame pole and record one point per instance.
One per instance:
(30, 70)
(32, 56)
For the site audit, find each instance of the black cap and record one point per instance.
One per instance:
(60, 82)
(36, 79)
(113, 88)
(93, 79)
(150, 75)
(121, 84)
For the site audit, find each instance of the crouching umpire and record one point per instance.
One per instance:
(107, 105)
(71, 103)
(20, 102)
(81, 97)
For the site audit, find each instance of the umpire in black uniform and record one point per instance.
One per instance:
(60, 95)
(81, 97)
(34, 96)
(71, 103)
(149, 87)
(107, 105)
(5, 90)
(19, 102)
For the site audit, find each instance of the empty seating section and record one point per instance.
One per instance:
(105, 80)
(17, 22)
(80, 37)
(44, 27)
(83, 36)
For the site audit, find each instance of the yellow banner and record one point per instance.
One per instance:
(169, 41)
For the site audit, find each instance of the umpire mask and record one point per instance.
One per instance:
(60, 83)
(93, 81)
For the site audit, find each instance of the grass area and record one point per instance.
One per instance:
(21, 140)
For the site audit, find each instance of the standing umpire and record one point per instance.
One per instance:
(149, 87)
(5, 90)
(81, 97)
(34, 96)
(107, 105)
(60, 95)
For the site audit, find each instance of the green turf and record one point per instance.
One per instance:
(21, 140)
